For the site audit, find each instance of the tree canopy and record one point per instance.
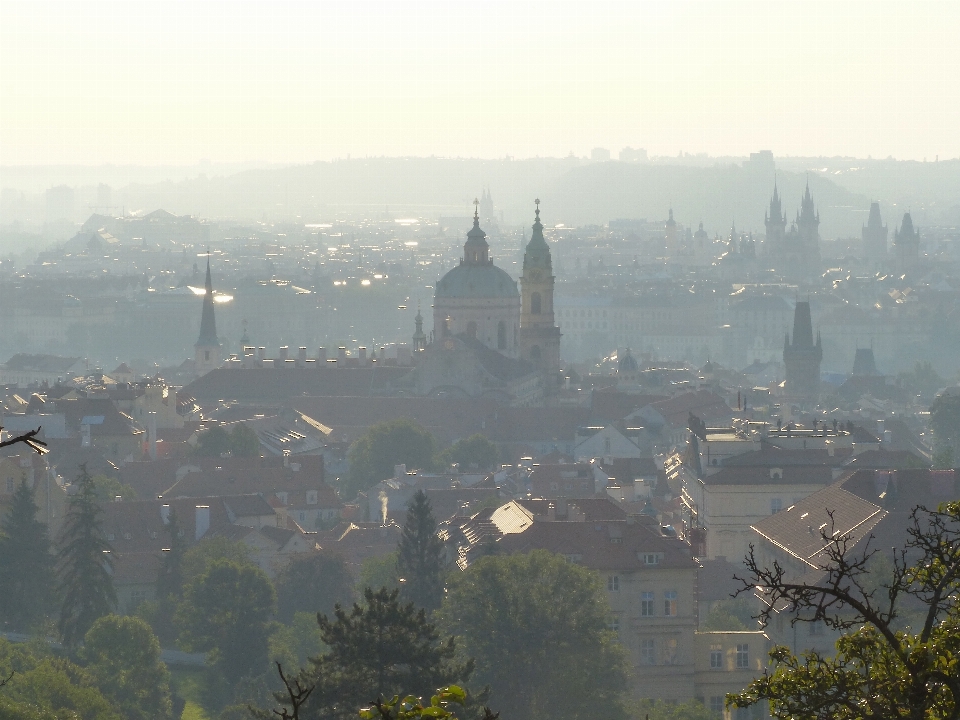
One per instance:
(419, 561)
(882, 667)
(473, 453)
(945, 422)
(385, 445)
(84, 564)
(123, 655)
(26, 564)
(240, 441)
(379, 648)
(537, 626)
(313, 583)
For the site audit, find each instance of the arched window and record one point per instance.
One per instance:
(535, 303)
(472, 329)
(501, 335)
(535, 352)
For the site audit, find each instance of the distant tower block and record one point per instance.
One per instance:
(207, 348)
(875, 236)
(801, 357)
(539, 334)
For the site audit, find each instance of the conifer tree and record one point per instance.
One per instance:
(26, 564)
(84, 564)
(418, 558)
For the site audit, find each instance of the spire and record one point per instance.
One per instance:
(419, 337)
(208, 322)
(475, 250)
(537, 252)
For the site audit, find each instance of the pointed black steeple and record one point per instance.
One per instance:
(208, 322)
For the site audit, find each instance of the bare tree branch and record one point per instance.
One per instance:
(29, 439)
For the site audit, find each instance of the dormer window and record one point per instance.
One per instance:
(652, 558)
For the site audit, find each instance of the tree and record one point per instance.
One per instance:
(385, 445)
(377, 572)
(84, 564)
(664, 710)
(730, 615)
(123, 655)
(379, 649)
(26, 564)
(214, 442)
(198, 559)
(945, 422)
(473, 453)
(418, 555)
(313, 583)
(108, 489)
(226, 613)
(170, 579)
(244, 441)
(537, 626)
(881, 668)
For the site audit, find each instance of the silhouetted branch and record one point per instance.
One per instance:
(29, 439)
(7, 679)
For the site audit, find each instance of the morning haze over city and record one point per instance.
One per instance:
(476, 360)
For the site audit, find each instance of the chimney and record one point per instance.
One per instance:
(322, 356)
(341, 357)
(203, 521)
(165, 514)
(302, 356)
(152, 433)
(363, 357)
(284, 351)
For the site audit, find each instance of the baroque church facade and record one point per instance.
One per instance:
(492, 336)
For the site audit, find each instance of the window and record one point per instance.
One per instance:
(670, 603)
(716, 704)
(501, 335)
(648, 651)
(716, 659)
(303, 517)
(311, 497)
(613, 583)
(776, 505)
(535, 303)
(646, 604)
(743, 655)
(615, 623)
(670, 651)
(651, 558)
(816, 628)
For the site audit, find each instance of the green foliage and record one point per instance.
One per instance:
(414, 708)
(881, 668)
(313, 583)
(472, 453)
(201, 556)
(84, 564)
(419, 560)
(26, 564)
(923, 380)
(373, 456)
(730, 614)
(663, 710)
(379, 649)
(123, 655)
(226, 613)
(943, 457)
(169, 581)
(379, 572)
(108, 489)
(294, 644)
(216, 441)
(537, 626)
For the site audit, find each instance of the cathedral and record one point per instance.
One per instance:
(795, 252)
(491, 337)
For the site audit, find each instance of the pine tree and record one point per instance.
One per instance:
(419, 561)
(170, 581)
(84, 564)
(26, 564)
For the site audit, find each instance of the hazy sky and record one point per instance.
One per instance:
(172, 82)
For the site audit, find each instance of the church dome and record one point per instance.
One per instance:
(477, 281)
(627, 363)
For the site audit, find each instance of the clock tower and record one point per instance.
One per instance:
(539, 335)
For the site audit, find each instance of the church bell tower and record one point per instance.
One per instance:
(207, 348)
(539, 335)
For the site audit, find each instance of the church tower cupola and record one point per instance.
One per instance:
(539, 335)
(476, 251)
